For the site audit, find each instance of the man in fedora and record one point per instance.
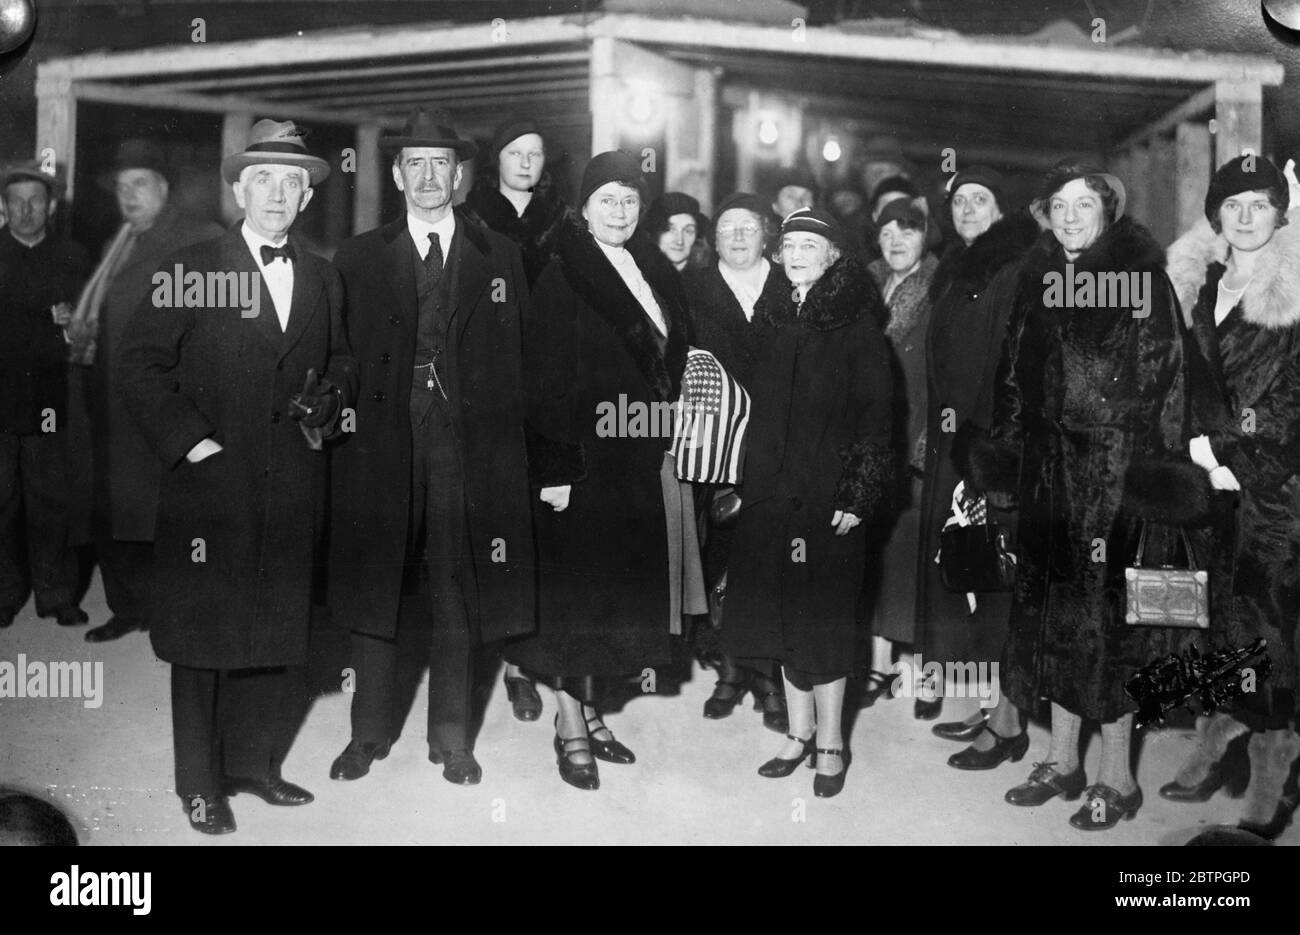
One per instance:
(117, 476)
(430, 509)
(39, 278)
(233, 393)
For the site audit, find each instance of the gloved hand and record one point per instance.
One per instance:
(318, 403)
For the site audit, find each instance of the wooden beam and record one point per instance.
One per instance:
(372, 169)
(502, 81)
(1238, 119)
(1198, 105)
(1194, 154)
(234, 137)
(56, 125)
(223, 104)
(361, 100)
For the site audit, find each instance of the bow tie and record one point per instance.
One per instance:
(270, 253)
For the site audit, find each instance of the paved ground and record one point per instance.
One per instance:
(695, 781)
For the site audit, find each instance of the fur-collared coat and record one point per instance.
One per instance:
(1082, 395)
(1245, 383)
(603, 583)
(895, 542)
(818, 441)
(536, 232)
(971, 294)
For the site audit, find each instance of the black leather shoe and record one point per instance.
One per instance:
(779, 768)
(825, 787)
(1046, 783)
(1201, 792)
(583, 776)
(611, 751)
(1003, 749)
(116, 628)
(960, 730)
(927, 710)
(726, 696)
(275, 791)
(770, 699)
(876, 686)
(212, 815)
(354, 762)
(71, 616)
(1103, 807)
(458, 766)
(524, 700)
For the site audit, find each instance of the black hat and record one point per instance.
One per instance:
(908, 212)
(612, 166)
(978, 175)
(134, 154)
(275, 143)
(894, 183)
(795, 179)
(1248, 173)
(669, 204)
(31, 171)
(429, 127)
(814, 221)
(747, 200)
(511, 130)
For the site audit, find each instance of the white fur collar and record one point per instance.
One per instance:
(1272, 300)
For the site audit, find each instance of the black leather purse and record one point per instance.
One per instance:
(725, 508)
(976, 558)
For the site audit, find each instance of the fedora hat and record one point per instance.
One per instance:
(134, 154)
(433, 128)
(276, 143)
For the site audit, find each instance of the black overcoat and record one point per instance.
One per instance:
(603, 583)
(1082, 395)
(1245, 385)
(536, 232)
(719, 323)
(240, 597)
(371, 479)
(818, 441)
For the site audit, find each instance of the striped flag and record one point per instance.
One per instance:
(712, 416)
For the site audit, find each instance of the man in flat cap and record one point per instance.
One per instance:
(235, 368)
(430, 509)
(117, 475)
(39, 278)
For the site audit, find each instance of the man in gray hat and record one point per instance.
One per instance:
(39, 277)
(122, 492)
(235, 369)
(431, 497)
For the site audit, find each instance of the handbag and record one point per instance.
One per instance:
(725, 508)
(717, 594)
(1167, 596)
(976, 558)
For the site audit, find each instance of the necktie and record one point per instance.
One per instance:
(433, 259)
(270, 253)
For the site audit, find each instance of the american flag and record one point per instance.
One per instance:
(713, 413)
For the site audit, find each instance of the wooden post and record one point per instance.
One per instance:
(234, 137)
(1193, 174)
(1139, 162)
(1162, 161)
(368, 192)
(56, 124)
(606, 96)
(1238, 119)
(706, 147)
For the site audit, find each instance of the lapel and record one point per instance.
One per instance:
(399, 271)
(306, 294)
(470, 271)
(235, 256)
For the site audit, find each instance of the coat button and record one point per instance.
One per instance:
(379, 396)
(275, 417)
(394, 320)
(385, 357)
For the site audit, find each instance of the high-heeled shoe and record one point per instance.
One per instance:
(826, 787)
(579, 775)
(1112, 806)
(726, 696)
(960, 730)
(1045, 783)
(770, 699)
(876, 686)
(779, 767)
(927, 709)
(611, 751)
(1231, 773)
(1003, 749)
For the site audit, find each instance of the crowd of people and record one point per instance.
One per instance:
(414, 427)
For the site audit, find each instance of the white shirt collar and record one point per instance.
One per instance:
(421, 229)
(255, 241)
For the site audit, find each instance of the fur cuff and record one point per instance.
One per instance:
(866, 479)
(988, 465)
(1167, 490)
(554, 463)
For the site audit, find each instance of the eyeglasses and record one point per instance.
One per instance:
(749, 230)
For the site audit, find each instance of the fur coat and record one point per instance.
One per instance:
(818, 442)
(1245, 380)
(536, 232)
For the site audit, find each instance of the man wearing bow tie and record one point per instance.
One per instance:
(235, 398)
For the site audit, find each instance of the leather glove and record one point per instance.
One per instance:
(318, 403)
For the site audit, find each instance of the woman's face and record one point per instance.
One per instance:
(611, 213)
(740, 239)
(805, 256)
(520, 163)
(677, 241)
(974, 210)
(1248, 220)
(901, 246)
(1077, 216)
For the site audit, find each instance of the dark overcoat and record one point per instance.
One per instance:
(536, 232)
(971, 294)
(1082, 395)
(126, 469)
(719, 323)
(1245, 386)
(240, 597)
(818, 441)
(603, 583)
(371, 480)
